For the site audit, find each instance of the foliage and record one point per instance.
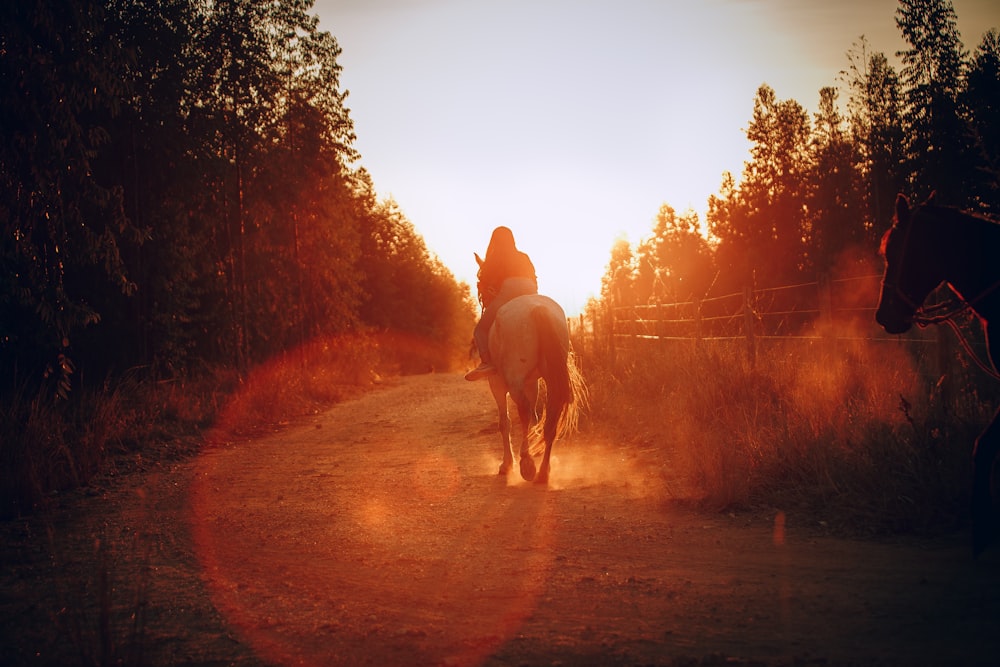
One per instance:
(875, 108)
(179, 190)
(981, 100)
(765, 215)
(408, 290)
(62, 224)
(817, 193)
(933, 74)
(834, 201)
(827, 431)
(616, 285)
(675, 263)
(179, 193)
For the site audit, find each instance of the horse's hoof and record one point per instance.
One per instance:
(542, 478)
(527, 468)
(504, 469)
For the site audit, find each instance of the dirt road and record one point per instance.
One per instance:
(379, 533)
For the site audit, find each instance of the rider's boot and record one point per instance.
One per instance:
(484, 370)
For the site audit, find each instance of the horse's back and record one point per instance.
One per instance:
(516, 335)
(520, 308)
(515, 318)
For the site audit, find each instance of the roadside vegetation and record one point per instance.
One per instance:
(183, 227)
(52, 444)
(191, 251)
(858, 438)
(870, 437)
(179, 221)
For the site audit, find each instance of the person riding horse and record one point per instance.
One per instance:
(506, 273)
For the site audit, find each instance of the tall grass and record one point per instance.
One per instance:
(849, 434)
(49, 444)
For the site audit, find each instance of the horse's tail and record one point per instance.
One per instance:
(562, 381)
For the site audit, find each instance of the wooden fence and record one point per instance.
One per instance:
(840, 309)
(827, 317)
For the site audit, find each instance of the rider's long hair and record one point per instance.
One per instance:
(501, 245)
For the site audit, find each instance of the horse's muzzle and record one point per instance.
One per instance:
(894, 325)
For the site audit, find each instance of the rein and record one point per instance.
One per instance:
(485, 295)
(954, 307)
(972, 353)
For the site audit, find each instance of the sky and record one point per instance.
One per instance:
(573, 121)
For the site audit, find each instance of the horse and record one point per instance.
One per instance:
(529, 341)
(926, 246)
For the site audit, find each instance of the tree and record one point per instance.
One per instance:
(933, 71)
(726, 219)
(875, 109)
(62, 224)
(304, 236)
(151, 151)
(836, 221)
(237, 156)
(761, 226)
(406, 289)
(217, 134)
(617, 284)
(981, 99)
(675, 263)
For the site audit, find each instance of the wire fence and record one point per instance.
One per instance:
(827, 312)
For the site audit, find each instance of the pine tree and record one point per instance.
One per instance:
(617, 285)
(836, 223)
(773, 193)
(875, 108)
(62, 224)
(675, 262)
(982, 102)
(932, 75)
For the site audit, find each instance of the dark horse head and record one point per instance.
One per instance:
(927, 246)
(911, 272)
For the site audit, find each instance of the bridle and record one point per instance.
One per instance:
(940, 313)
(484, 296)
(893, 285)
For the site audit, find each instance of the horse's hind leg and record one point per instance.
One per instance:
(983, 460)
(543, 469)
(500, 396)
(526, 412)
(508, 454)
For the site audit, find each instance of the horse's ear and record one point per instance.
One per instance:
(479, 260)
(902, 207)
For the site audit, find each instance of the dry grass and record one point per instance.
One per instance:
(49, 444)
(851, 435)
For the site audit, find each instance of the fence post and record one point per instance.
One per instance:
(824, 294)
(748, 326)
(697, 321)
